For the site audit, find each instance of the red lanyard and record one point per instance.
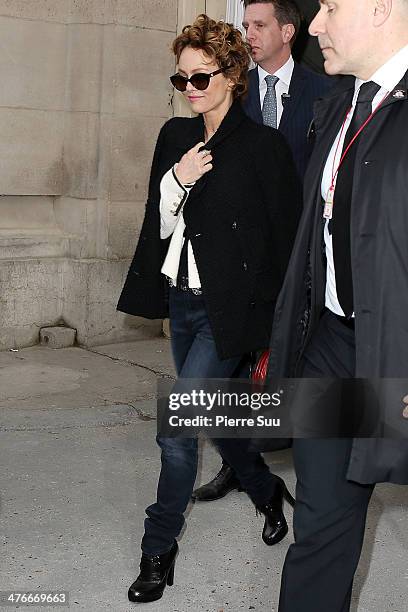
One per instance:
(328, 209)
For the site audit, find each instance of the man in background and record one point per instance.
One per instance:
(281, 91)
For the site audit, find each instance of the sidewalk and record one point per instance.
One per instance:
(79, 464)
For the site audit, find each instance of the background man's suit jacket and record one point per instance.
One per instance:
(305, 87)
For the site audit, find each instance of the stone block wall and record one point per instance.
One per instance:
(84, 93)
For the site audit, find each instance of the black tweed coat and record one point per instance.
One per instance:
(242, 218)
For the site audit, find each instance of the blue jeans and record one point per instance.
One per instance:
(195, 356)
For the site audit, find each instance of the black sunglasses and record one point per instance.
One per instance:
(200, 80)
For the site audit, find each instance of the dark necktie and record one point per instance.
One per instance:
(342, 200)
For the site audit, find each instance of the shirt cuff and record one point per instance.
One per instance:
(173, 194)
(186, 187)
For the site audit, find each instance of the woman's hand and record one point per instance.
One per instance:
(194, 164)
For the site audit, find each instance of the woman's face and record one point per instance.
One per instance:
(218, 94)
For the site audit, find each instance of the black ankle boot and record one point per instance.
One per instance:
(155, 573)
(224, 482)
(275, 526)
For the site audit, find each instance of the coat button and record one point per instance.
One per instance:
(245, 266)
(234, 225)
(252, 304)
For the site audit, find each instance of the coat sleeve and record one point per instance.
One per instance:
(282, 192)
(155, 174)
(143, 293)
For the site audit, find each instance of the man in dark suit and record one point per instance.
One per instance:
(271, 30)
(286, 103)
(342, 311)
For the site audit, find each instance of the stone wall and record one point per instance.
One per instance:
(84, 93)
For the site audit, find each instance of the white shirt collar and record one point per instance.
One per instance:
(284, 73)
(391, 73)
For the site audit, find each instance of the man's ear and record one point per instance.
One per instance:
(288, 32)
(382, 11)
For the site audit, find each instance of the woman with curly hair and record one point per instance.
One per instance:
(221, 216)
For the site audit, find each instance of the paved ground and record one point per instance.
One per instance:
(79, 464)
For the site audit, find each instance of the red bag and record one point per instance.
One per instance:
(261, 367)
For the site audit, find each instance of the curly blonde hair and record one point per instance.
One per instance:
(222, 43)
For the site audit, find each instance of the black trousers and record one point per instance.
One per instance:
(330, 511)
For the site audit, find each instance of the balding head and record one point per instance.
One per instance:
(358, 37)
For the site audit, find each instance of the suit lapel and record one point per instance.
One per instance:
(329, 113)
(252, 104)
(399, 93)
(297, 85)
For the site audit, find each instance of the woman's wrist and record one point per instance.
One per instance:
(183, 184)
